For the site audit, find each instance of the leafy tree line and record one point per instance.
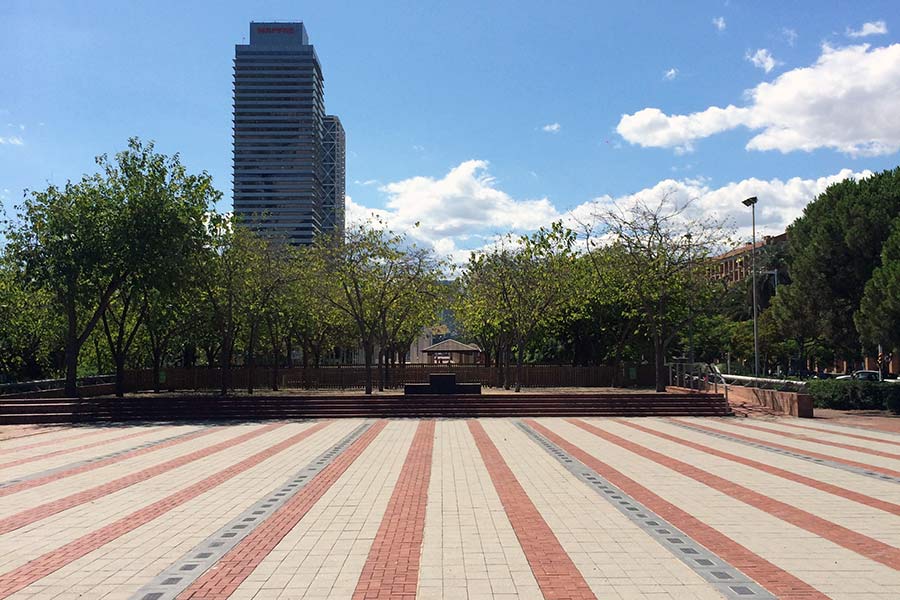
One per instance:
(843, 263)
(132, 267)
(838, 285)
(628, 289)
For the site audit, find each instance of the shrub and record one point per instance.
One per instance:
(854, 395)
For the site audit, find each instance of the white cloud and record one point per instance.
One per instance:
(762, 59)
(652, 127)
(670, 74)
(780, 201)
(871, 28)
(464, 205)
(12, 141)
(418, 148)
(790, 36)
(465, 210)
(366, 182)
(845, 101)
(719, 23)
(551, 128)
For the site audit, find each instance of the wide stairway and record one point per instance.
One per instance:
(164, 407)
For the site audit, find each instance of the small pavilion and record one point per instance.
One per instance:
(452, 352)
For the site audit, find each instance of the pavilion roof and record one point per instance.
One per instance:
(452, 345)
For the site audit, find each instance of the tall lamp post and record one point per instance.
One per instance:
(689, 237)
(751, 202)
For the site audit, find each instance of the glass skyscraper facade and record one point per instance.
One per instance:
(333, 162)
(289, 159)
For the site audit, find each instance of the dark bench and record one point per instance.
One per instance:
(441, 384)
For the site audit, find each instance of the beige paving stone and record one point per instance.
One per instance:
(108, 447)
(805, 555)
(61, 436)
(830, 435)
(881, 490)
(832, 427)
(605, 546)
(125, 564)
(469, 544)
(852, 515)
(869, 459)
(324, 554)
(56, 530)
(71, 485)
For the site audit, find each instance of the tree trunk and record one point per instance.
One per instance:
(71, 387)
(157, 367)
(276, 353)
(305, 364)
(380, 370)
(368, 351)
(97, 355)
(520, 351)
(225, 363)
(251, 358)
(659, 357)
(506, 352)
(120, 375)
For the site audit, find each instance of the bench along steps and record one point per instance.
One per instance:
(200, 407)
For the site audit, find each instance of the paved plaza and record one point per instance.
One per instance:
(642, 508)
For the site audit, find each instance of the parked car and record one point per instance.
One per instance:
(863, 375)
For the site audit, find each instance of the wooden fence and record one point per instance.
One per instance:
(353, 377)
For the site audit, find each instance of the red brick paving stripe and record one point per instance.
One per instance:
(41, 567)
(392, 567)
(28, 459)
(843, 433)
(556, 574)
(889, 507)
(42, 511)
(778, 581)
(842, 536)
(51, 442)
(27, 431)
(885, 424)
(230, 572)
(828, 457)
(807, 438)
(54, 477)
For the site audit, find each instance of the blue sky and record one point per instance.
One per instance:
(477, 117)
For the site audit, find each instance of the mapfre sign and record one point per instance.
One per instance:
(276, 30)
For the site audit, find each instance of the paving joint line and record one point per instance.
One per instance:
(81, 463)
(807, 458)
(192, 565)
(727, 579)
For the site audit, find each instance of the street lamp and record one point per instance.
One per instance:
(689, 237)
(751, 202)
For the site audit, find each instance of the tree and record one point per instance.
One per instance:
(372, 272)
(660, 268)
(29, 326)
(85, 241)
(835, 247)
(878, 317)
(223, 277)
(529, 280)
(481, 316)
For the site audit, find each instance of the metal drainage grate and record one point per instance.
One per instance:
(818, 461)
(96, 459)
(727, 579)
(187, 569)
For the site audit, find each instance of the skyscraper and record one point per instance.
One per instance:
(333, 161)
(288, 178)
